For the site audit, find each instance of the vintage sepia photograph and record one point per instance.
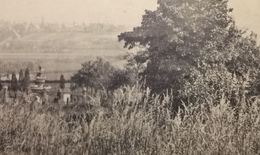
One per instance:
(129, 77)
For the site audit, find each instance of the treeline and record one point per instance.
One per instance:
(22, 83)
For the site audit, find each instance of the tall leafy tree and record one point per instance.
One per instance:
(184, 40)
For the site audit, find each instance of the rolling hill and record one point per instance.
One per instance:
(59, 48)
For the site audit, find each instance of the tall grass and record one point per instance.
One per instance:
(132, 122)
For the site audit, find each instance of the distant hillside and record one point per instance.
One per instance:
(60, 49)
(53, 38)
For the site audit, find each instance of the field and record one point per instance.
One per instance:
(59, 52)
(130, 122)
(54, 64)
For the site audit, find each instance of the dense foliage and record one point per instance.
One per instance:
(14, 83)
(100, 74)
(62, 82)
(194, 48)
(22, 83)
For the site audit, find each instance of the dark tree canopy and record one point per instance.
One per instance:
(119, 78)
(27, 80)
(62, 81)
(100, 74)
(94, 74)
(14, 83)
(184, 40)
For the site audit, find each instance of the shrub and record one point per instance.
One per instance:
(100, 74)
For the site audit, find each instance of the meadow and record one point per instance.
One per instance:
(130, 121)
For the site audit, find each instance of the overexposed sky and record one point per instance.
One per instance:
(119, 12)
(247, 14)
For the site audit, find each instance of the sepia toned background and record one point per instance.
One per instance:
(54, 50)
(119, 12)
(67, 85)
